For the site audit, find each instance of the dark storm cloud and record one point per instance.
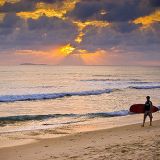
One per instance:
(22, 5)
(125, 10)
(156, 27)
(47, 23)
(10, 22)
(109, 38)
(124, 27)
(51, 30)
(155, 3)
(35, 34)
(85, 10)
(16, 32)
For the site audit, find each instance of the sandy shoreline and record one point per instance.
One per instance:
(127, 142)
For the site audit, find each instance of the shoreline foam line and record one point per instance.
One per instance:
(21, 118)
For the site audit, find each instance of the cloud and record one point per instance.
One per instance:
(125, 27)
(146, 21)
(51, 1)
(18, 6)
(135, 41)
(85, 10)
(116, 11)
(49, 24)
(9, 24)
(119, 29)
(34, 34)
(155, 3)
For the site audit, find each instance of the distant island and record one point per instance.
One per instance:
(30, 64)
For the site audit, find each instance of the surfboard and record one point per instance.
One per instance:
(139, 108)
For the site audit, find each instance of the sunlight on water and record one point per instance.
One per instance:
(34, 95)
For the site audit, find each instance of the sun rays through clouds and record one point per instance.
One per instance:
(91, 32)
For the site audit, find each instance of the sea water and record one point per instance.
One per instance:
(40, 96)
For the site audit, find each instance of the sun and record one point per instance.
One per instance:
(67, 49)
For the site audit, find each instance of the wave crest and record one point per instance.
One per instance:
(32, 97)
(144, 87)
(22, 118)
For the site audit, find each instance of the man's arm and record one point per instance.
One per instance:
(151, 106)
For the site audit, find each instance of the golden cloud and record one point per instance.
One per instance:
(146, 21)
(38, 13)
(60, 10)
(82, 25)
(79, 37)
(50, 10)
(2, 2)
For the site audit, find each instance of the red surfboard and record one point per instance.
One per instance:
(139, 108)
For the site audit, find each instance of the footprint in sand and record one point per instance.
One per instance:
(73, 157)
(45, 146)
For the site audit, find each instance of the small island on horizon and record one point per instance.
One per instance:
(30, 64)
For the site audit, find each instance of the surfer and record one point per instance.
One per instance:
(147, 111)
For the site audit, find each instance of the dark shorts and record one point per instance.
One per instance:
(148, 113)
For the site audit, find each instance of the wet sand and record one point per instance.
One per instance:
(126, 142)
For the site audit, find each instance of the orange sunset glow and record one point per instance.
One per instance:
(99, 57)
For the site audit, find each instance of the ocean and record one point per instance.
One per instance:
(40, 96)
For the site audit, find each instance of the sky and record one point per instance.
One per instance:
(80, 32)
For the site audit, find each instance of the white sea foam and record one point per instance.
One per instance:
(18, 118)
(45, 96)
(144, 87)
(31, 97)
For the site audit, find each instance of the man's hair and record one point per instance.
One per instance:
(148, 97)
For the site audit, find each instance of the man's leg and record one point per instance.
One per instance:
(150, 117)
(144, 119)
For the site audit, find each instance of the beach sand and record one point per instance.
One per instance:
(126, 142)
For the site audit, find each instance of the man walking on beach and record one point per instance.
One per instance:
(147, 111)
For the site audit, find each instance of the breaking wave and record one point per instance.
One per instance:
(47, 96)
(32, 97)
